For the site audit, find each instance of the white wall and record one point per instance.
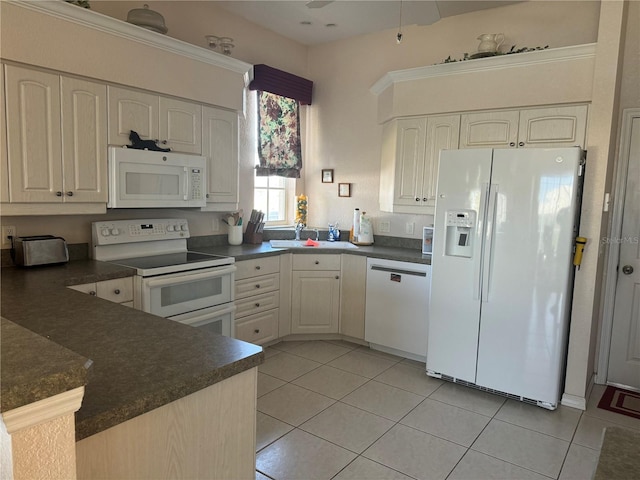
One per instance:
(343, 130)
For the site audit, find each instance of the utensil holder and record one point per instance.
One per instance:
(235, 235)
(253, 238)
(252, 235)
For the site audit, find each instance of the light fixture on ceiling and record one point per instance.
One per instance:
(399, 34)
(220, 44)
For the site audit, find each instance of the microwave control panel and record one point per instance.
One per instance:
(196, 183)
(143, 230)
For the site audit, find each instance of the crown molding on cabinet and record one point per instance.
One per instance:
(113, 26)
(551, 55)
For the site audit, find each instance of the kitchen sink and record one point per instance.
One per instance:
(302, 244)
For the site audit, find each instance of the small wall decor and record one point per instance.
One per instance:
(139, 144)
(344, 189)
(327, 175)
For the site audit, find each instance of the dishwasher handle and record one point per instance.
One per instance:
(399, 271)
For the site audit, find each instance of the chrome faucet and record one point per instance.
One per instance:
(299, 228)
(317, 234)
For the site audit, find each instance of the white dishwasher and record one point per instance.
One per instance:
(397, 305)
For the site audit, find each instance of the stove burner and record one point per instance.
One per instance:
(173, 262)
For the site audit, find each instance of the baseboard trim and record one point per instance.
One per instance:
(574, 401)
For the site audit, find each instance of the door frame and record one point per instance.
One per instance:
(613, 256)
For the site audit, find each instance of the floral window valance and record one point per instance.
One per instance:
(279, 149)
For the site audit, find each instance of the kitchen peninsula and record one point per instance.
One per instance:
(156, 392)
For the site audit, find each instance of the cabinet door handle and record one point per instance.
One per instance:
(317, 262)
(58, 194)
(92, 292)
(257, 285)
(257, 267)
(512, 144)
(69, 194)
(424, 199)
(207, 195)
(257, 330)
(417, 199)
(337, 277)
(521, 144)
(257, 305)
(117, 291)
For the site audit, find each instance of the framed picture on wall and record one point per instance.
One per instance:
(327, 175)
(344, 189)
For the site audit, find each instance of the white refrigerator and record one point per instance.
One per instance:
(502, 270)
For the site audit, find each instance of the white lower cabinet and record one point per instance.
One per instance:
(257, 299)
(118, 290)
(315, 294)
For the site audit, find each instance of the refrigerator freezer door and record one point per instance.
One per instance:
(526, 300)
(454, 315)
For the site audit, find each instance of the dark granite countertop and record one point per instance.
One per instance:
(248, 251)
(34, 368)
(140, 361)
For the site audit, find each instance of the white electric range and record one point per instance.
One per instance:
(189, 287)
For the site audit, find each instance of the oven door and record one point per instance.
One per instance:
(218, 320)
(177, 293)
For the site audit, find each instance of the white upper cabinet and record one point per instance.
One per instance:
(180, 125)
(411, 150)
(33, 135)
(84, 140)
(553, 127)
(489, 129)
(220, 146)
(175, 123)
(561, 126)
(56, 138)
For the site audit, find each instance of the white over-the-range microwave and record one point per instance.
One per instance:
(150, 179)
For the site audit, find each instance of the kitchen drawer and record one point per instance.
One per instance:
(118, 290)
(257, 266)
(107, 289)
(255, 285)
(88, 288)
(316, 262)
(257, 303)
(259, 328)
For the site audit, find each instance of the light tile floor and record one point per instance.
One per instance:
(336, 410)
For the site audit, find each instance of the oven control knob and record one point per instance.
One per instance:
(104, 232)
(170, 228)
(183, 227)
(115, 231)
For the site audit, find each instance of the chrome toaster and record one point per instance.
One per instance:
(40, 250)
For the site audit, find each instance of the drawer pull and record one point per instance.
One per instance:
(257, 285)
(317, 262)
(117, 291)
(257, 267)
(257, 330)
(337, 277)
(92, 292)
(257, 304)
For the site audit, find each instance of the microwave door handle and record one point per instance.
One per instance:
(186, 184)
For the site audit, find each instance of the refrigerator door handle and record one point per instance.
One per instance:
(487, 262)
(479, 241)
